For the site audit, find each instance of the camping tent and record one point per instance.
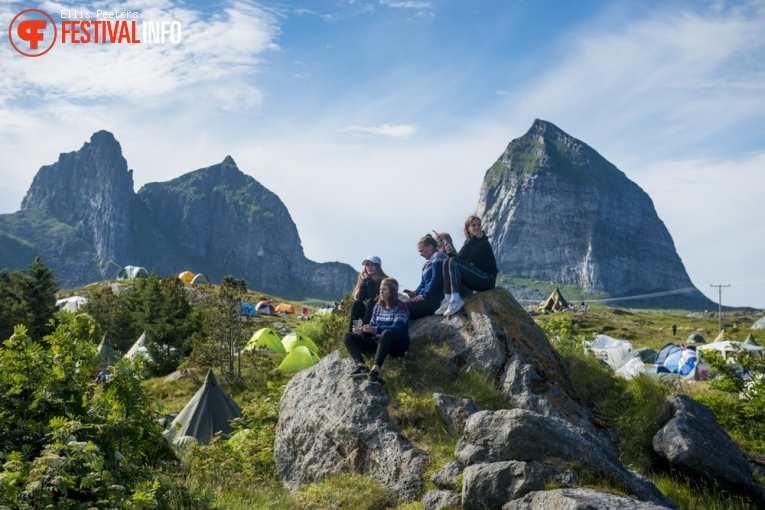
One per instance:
(695, 338)
(295, 339)
(646, 354)
(614, 352)
(107, 356)
(71, 304)
(209, 411)
(247, 309)
(556, 301)
(264, 308)
(284, 308)
(759, 323)
(299, 358)
(200, 279)
(727, 346)
(750, 340)
(265, 339)
(138, 348)
(676, 359)
(132, 272)
(186, 276)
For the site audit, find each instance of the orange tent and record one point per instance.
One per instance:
(186, 276)
(285, 308)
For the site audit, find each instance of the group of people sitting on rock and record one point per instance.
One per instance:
(380, 319)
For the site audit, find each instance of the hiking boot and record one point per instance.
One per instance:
(454, 306)
(374, 377)
(360, 371)
(441, 309)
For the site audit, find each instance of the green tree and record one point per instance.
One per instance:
(39, 290)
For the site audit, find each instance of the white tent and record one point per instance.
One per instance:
(72, 303)
(730, 346)
(759, 324)
(614, 352)
(138, 348)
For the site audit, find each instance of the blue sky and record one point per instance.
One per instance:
(374, 121)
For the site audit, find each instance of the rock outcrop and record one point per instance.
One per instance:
(557, 211)
(82, 215)
(693, 442)
(578, 499)
(329, 423)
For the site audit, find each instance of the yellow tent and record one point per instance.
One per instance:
(296, 339)
(299, 358)
(266, 340)
(186, 276)
(720, 337)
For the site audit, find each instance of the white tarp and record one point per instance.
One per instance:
(614, 352)
(631, 369)
(730, 346)
(71, 304)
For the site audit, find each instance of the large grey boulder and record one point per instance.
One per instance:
(454, 411)
(492, 484)
(517, 434)
(578, 499)
(448, 476)
(331, 424)
(694, 442)
(495, 335)
(436, 500)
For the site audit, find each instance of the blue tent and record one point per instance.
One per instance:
(247, 309)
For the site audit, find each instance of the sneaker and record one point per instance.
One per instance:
(441, 309)
(454, 307)
(374, 377)
(360, 371)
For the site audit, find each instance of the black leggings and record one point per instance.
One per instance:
(387, 342)
(361, 310)
(422, 308)
(460, 274)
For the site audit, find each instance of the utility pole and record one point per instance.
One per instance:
(719, 304)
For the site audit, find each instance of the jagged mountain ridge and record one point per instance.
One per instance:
(84, 217)
(556, 210)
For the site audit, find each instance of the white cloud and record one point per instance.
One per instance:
(387, 130)
(407, 4)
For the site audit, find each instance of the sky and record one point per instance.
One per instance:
(374, 121)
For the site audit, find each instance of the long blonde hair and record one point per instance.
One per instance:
(377, 278)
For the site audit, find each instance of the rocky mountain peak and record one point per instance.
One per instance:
(558, 211)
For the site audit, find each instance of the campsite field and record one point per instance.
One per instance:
(237, 479)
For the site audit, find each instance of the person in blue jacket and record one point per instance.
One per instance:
(473, 268)
(387, 333)
(426, 298)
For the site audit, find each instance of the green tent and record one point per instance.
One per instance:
(695, 338)
(107, 356)
(265, 339)
(296, 339)
(299, 358)
(210, 410)
(200, 279)
(646, 355)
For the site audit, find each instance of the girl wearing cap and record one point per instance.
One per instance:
(367, 288)
(428, 294)
(387, 332)
(473, 268)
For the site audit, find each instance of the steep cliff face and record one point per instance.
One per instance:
(83, 216)
(92, 191)
(556, 210)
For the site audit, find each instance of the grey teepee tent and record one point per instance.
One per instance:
(209, 411)
(107, 356)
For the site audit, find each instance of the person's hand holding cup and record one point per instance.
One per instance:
(357, 326)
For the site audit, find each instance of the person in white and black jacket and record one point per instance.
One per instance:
(473, 268)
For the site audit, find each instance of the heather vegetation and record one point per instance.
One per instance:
(67, 443)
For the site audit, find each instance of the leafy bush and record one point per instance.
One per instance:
(65, 445)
